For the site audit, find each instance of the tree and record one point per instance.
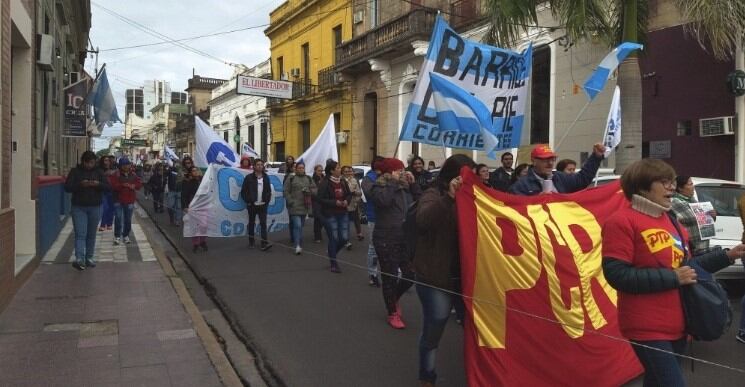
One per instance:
(716, 24)
(103, 152)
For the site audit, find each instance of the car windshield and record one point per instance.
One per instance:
(723, 198)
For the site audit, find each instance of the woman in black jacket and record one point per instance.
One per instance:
(156, 185)
(256, 191)
(333, 197)
(87, 185)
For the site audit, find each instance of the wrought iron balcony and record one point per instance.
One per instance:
(389, 39)
(465, 13)
(328, 78)
(302, 89)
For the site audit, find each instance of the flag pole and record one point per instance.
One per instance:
(569, 129)
(597, 173)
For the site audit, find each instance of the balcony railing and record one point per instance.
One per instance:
(328, 78)
(301, 89)
(464, 13)
(415, 25)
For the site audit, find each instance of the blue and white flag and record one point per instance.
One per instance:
(322, 149)
(211, 148)
(249, 151)
(495, 76)
(170, 154)
(612, 136)
(596, 82)
(460, 112)
(100, 97)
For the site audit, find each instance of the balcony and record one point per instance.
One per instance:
(466, 13)
(328, 79)
(302, 90)
(386, 41)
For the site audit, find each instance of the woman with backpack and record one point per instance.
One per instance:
(125, 185)
(107, 207)
(298, 190)
(333, 197)
(392, 194)
(437, 260)
(649, 275)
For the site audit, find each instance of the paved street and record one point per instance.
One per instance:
(120, 323)
(315, 328)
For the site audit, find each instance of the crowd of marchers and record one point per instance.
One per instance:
(412, 231)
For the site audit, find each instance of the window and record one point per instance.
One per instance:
(373, 13)
(251, 136)
(337, 121)
(540, 97)
(304, 127)
(279, 150)
(306, 61)
(226, 136)
(280, 68)
(336, 41)
(684, 128)
(238, 132)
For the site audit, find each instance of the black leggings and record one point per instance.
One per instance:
(392, 257)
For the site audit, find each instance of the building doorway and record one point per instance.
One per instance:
(369, 146)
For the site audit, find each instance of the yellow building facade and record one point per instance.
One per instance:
(304, 35)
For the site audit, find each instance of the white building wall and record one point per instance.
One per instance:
(226, 106)
(153, 93)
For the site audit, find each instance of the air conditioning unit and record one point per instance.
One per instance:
(45, 52)
(717, 126)
(358, 16)
(295, 72)
(342, 137)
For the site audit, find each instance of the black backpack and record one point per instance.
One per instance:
(410, 230)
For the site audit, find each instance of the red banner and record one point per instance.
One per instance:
(540, 311)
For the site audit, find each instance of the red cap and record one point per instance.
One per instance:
(542, 151)
(390, 165)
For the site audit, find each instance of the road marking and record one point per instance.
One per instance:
(53, 251)
(146, 252)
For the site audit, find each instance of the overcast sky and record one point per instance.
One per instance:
(176, 19)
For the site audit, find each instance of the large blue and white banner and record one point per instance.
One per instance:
(495, 76)
(217, 209)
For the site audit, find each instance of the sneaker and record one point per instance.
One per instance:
(90, 263)
(266, 247)
(398, 310)
(117, 241)
(78, 266)
(348, 245)
(298, 250)
(360, 237)
(374, 281)
(335, 268)
(395, 321)
(108, 228)
(101, 229)
(740, 337)
(126, 240)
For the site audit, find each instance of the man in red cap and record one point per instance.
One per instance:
(542, 178)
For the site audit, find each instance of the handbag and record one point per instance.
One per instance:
(706, 307)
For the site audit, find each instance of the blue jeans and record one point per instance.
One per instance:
(297, 222)
(107, 208)
(660, 368)
(173, 204)
(123, 219)
(372, 256)
(85, 223)
(436, 306)
(337, 230)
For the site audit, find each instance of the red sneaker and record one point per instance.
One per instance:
(395, 321)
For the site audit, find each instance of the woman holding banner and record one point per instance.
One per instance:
(647, 271)
(682, 210)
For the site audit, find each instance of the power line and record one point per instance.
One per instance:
(185, 39)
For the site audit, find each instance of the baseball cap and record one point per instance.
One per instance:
(542, 151)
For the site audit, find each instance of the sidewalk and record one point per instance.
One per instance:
(120, 323)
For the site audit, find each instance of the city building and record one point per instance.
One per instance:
(164, 116)
(304, 36)
(135, 103)
(200, 93)
(42, 50)
(155, 92)
(242, 118)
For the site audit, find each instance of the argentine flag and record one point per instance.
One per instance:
(211, 148)
(595, 83)
(248, 151)
(459, 111)
(104, 106)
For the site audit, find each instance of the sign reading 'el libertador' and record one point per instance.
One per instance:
(263, 87)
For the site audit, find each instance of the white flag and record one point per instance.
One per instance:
(248, 151)
(211, 148)
(613, 127)
(323, 148)
(170, 154)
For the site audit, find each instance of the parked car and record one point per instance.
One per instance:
(723, 195)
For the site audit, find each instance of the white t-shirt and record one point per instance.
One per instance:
(259, 190)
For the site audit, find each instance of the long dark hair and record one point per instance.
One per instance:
(516, 173)
(330, 166)
(87, 156)
(451, 169)
(680, 182)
